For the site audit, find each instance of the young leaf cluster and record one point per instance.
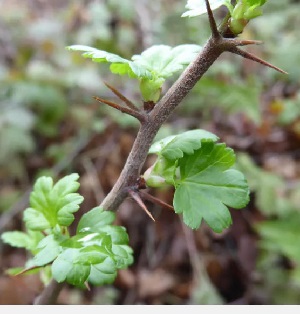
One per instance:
(93, 254)
(201, 171)
(240, 13)
(152, 67)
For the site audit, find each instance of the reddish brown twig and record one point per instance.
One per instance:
(129, 103)
(252, 57)
(135, 195)
(136, 114)
(212, 21)
(155, 200)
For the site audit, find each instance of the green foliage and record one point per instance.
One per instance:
(15, 133)
(264, 184)
(151, 68)
(94, 254)
(240, 13)
(200, 170)
(196, 7)
(211, 93)
(53, 205)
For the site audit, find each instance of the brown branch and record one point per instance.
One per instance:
(214, 47)
(129, 103)
(50, 294)
(138, 115)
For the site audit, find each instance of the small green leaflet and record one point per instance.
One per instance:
(198, 7)
(200, 170)
(20, 239)
(174, 146)
(169, 150)
(52, 205)
(119, 65)
(208, 185)
(152, 67)
(163, 61)
(95, 253)
(157, 61)
(246, 7)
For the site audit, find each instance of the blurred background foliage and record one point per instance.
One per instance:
(50, 124)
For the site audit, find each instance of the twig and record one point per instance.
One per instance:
(155, 200)
(136, 114)
(214, 47)
(129, 103)
(50, 294)
(212, 21)
(135, 195)
(250, 56)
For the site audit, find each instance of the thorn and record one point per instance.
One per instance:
(245, 42)
(156, 200)
(252, 57)
(212, 21)
(129, 104)
(87, 286)
(129, 111)
(138, 199)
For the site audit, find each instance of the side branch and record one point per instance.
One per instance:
(157, 117)
(136, 114)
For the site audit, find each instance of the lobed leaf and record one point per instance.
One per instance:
(94, 219)
(95, 253)
(175, 146)
(18, 239)
(119, 65)
(53, 205)
(49, 249)
(207, 186)
(163, 61)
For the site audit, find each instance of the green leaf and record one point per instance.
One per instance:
(92, 254)
(53, 205)
(122, 253)
(119, 65)
(94, 219)
(163, 61)
(198, 7)
(98, 250)
(104, 273)
(64, 268)
(175, 146)
(18, 239)
(49, 250)
(281, 236)
(207, 186)
(152, 67)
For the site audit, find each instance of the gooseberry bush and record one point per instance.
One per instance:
(195, 163)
